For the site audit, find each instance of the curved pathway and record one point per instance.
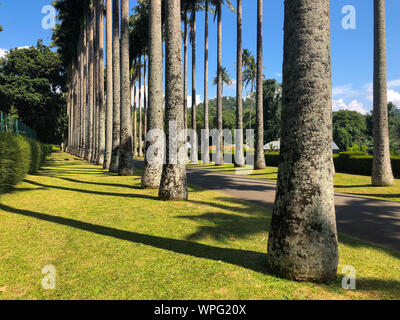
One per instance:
(371, 220)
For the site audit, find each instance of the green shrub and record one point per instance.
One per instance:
(36, 155)
(346, 162)
(272, 159)
(15, 160)
(18, 156)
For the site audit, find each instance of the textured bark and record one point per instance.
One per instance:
(116, 89)
(109, 97)
(125, 167)
(194, 152)
(220, 151)
(259, 162)
(302, 241)
(95, 84)
(101, 128)
(239, 150)
(173, 182)
(152, 172)
(382, 174)
(206, 153)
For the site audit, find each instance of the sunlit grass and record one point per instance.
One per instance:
(344, 183)
(110, 239)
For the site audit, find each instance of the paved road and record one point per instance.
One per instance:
(371, 220)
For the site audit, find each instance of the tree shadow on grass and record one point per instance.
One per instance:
(100, 193)
(251, 260)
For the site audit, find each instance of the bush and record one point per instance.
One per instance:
(15, 159)
(346, 162)
(18, 156)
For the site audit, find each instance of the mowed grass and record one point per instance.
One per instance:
(109, 239)
(344, 183)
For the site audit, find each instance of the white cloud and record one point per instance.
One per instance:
(3, 52)
(354, 105)
(394, 83)
(345, 91)
(394, 96)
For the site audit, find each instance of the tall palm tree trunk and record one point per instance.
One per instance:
(206, 152)
(153, 167)
(173, 181)
(140, 110)
(91, 84)
(116, 89)
(194, 150)
(302, 241)
(220, 149)
(239, 150)
(144, 102)
(135, 140)
(109, 97)
(185, 64)
(260, 157)
(101, 127)
(125, 151)
(382, 174)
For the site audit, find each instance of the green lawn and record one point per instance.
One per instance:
(109, 239)
(344, 183)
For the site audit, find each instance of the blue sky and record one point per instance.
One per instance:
(352, 50)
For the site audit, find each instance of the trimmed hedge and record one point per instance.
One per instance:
(346, 162)
(19, 156)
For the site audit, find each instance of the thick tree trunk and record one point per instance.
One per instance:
(116, 89)
(302, 241)
(109, 97)
(173, 181)
(125, 150)
(100, 32)
(87, 87)
(239, 150)
(382, 174)
(206, 151)
(220, 149)
(152, 170)
(194, 151)
(260, 158)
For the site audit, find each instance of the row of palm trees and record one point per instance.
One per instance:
(303, 239)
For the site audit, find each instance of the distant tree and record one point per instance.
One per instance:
(226, 78)
(31, 82)
(272, 106)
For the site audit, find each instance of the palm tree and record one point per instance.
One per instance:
(116, 89)
(260, 158)
(140, 108)
(225, 76)
(239, 150)
(194, 149)
(185, 6)
(91, 83)
(152, 170)
(135, 74)
(173, 181)
(302, 241)
(206, 154)
(382, 174)
(249, 75)
(125, 167)
(100, 85)
(109, 97)
(218, 12)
